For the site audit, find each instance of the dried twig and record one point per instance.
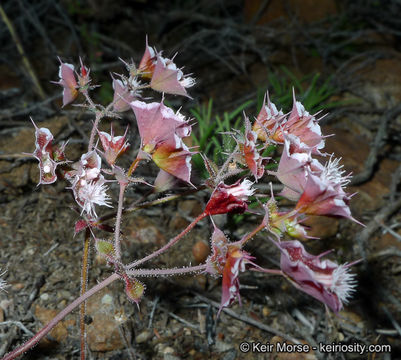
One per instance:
(377, 146)
(21, 51)
(363, 237)
(248, 320)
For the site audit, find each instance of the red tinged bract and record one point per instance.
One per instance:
(169, 79)
(227, 260)
(68, 81)
(326, 281)
(49, 157)
(293, 166)
(323, 193)
(122, 95)
(71, 81)
(229, 198)
(235, 263)
(268, 120)
(113, 146)
(249, 154)
(163, 73)
(148, 62)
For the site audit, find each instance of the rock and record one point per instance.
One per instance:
(200, 251)
(143, 230)
(103, 333)
(60, 332)
(222, 346)
(143, 337)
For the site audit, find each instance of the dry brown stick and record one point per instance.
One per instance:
(248, 320)
(363, 237)
(395, 180)
(21, 51)
(377, 145)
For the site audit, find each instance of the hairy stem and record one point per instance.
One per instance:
(93, 132)
(117, 245)
(84, 284)
(60, 316)
(169, 244)
(161, 272)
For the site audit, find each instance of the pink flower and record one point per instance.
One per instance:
(113, 146)
(323, 193)
(325, 280)
(49, 158)
(229, 198)
(163, 73)
(268, 120)
(69, 81)
(161, 131)
(169, 79)
(305, 126)
(293, 167)
(88, 184)
(123, 95)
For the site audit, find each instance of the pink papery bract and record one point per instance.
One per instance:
(161, 131)
(324, 195)
(122, 95)
(148, 62)
(305, 126)
(293, 166)
(49, 157)
(113, 146)
(169, 79)
(268, 120)
(325, 280)
(235, 263)
(229, 198)
(227, 259)
(68, 81)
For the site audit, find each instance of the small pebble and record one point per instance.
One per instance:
(44, 296)
(200, 251)
(143, 337)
